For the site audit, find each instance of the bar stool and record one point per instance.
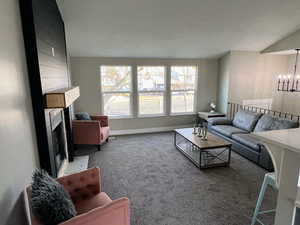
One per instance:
(268, 180)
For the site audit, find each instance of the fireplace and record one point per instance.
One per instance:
(50, 83)
(59, 150)
(57, 139)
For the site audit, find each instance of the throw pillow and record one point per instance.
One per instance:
(279, 124)
(268, 122)
(246, 120)
(264, 123)
(83, 116)
(50, 202)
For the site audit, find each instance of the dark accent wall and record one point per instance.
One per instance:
(51, 45)
(46, 56)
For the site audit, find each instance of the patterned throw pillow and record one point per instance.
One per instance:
(50, 202)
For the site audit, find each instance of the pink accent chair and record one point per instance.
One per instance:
(93, 206)
(91, 132)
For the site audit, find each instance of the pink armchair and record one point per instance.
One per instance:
(91, 132)
(93, 206)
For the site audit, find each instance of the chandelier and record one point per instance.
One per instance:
(290, 82)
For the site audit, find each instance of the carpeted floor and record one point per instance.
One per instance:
(165, 188)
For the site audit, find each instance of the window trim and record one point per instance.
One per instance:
(134, 92)
(130, 115)
(130, 92)
(182, 113)
(164, 93)
(140, 115)
(185, 90)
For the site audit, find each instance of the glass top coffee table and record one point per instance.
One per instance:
(213, 152)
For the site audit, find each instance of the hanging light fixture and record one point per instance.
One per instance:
(289, 82)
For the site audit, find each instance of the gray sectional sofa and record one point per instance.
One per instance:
(238, 132)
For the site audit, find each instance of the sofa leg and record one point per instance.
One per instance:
(107, 139)
(99, 147)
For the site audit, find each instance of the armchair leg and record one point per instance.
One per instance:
(99, 147)
(107, 139)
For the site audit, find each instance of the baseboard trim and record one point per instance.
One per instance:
(147, 130)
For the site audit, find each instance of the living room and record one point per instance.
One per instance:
(150, 112)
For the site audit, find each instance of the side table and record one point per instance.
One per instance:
(206, 115)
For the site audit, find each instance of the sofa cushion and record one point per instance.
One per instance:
(96, 201)
(267, 122)
(279, 124)
(228, 130)
(264, 123)
(83, 116)
(246, 120)
(248, 140)
(219, 121)
(50, 202)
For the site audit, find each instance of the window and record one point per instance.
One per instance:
(116, 90)
(151, 90)
(148, 90)
(183, 79)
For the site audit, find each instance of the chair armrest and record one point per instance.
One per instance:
(83, 184)
(219, 121)
(103, 120)
(115, 213)
(82, 123)
(86, 132)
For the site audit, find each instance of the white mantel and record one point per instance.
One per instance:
(284, 148)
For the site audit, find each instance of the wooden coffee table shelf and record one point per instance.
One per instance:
(213, 152)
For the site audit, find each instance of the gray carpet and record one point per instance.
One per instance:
(165, 188)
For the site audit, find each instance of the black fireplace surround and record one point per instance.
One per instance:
(58, 139)
(46, 56)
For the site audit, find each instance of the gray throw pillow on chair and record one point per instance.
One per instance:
(50, 202)
(83, 116)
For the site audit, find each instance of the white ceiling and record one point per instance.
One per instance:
(176, 28)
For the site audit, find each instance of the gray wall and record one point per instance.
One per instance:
(223, 83)
(17, 136)
(85, 73)
(252, 76)
(290, 102)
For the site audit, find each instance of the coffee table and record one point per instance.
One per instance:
(213, 152)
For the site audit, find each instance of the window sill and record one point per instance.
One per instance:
(152, 116)
(184, 114)
(120, 117)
